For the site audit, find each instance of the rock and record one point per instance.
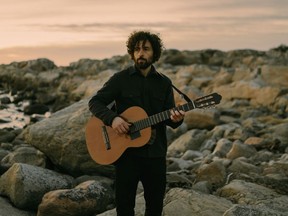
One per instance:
(254, 195)
(30, 183)
(191, 155)
(202, 119)
(177, 180)
(62, 138)
(275, 75)
(7, 209)
(223, 146)
(100, 179)
(173, 134)
(243, 139)
(252, 121)
(174, 57)
(41, 64)
(240, 165)
(259, 95)
(186, 202)
(51, 75)
(202, 187)
(89, 87)
(214, 173)
(279, 132)
(5, 100)
(139, 207)
(6, 135)
(277, 167)
(36, 109)
(230, 131)
(85, 67)
(240, 150)
(179, 164)
(224, 77)
(240, 210)
(25, 154)
(3, 153)
(262, 156)
(85, 199)
(191, 140)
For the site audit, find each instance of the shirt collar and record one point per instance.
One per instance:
(135, 70)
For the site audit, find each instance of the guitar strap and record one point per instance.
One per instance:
(177, 90)
(153, 135)
(182, 94)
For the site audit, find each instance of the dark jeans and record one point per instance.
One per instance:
(151, 172)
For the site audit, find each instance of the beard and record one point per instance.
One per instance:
(143, 63)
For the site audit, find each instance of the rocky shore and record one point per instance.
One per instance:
(230, 160)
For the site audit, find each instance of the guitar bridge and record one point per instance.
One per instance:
(134, 135)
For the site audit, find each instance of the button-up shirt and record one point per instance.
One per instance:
(128, 88)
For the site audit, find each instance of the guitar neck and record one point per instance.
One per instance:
(202, 102)
(159, 117)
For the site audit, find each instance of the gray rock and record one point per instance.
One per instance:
(214, 173)
(246, 193)
(25, 154)
(62, 138)
(186, 202)
(242, 166)
(223, 146)
(30, 183)
(7, 209)
(240, 210)
(240, 150)
(191, 140)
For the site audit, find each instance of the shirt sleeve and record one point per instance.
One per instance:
(105, 96)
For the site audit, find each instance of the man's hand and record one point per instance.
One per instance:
(177, 115)
(120, 126)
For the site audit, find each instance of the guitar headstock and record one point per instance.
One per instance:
(208, 101)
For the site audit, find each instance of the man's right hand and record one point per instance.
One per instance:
(120, 126)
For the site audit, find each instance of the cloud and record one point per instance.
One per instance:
(72, 29)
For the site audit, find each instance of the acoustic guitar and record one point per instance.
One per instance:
(105, 146)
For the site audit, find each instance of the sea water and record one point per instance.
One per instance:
(12, 116)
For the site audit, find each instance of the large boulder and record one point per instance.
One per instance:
(256, 197)
(62, 139)
(25, 184)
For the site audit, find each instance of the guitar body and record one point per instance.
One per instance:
(95, 140)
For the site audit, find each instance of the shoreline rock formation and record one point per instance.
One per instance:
(230, 160)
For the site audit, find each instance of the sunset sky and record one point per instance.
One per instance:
(65, 31)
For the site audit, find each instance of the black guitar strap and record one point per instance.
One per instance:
(178, 91)
(182, 94)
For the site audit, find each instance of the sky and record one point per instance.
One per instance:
(65, 31)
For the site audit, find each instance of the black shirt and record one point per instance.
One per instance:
(129, 88)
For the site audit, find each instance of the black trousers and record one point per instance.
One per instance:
(151, 172)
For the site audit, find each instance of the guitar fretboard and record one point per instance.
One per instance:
(203, 102)
(159, 117)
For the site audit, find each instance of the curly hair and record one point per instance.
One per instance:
(137, 36)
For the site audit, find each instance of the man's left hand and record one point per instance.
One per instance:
(177, 115)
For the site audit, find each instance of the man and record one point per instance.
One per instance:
(139, 85)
